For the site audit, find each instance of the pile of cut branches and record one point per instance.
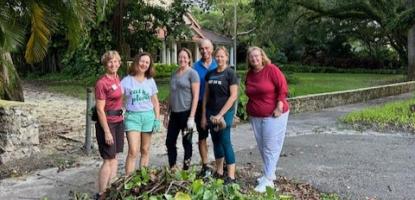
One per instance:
(157, 184)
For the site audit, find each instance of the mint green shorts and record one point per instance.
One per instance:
(139, 121)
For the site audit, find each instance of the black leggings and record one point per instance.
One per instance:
(177, 123)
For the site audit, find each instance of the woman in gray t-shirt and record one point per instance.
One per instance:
(183, 98)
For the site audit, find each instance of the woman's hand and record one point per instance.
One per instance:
(166, 120)
(203, 123)
(156, 126)
(108, 138)
(277, 112)
(216, 119)
(191, 123)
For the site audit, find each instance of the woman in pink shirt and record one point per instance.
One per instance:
(268, 110)
(109, 127)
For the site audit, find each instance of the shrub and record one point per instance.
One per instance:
(395, 116)
(164, 70)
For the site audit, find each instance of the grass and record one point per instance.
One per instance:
(396, 116)
(69, 88)
(313, 83)
(305, 83)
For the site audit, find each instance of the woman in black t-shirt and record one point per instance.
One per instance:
(218, 112)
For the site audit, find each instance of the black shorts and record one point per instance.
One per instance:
(117, 130)
(203, 134)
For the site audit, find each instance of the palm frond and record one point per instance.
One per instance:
(11, 32)
(75, 16)
(101, 9)
(42, 27)
(404, 20)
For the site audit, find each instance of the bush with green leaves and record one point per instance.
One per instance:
(85, 62)
(164, 70)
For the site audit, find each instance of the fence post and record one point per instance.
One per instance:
(87, 145)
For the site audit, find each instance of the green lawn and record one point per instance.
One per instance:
(305, 83)
(313, 83)
(70, 88)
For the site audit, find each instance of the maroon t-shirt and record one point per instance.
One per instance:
(264, 89)
(110, 90)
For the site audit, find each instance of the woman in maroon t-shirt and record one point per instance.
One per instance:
(268, 110)
(109, 127)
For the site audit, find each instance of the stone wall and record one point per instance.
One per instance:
(331, 99)
(19, 133)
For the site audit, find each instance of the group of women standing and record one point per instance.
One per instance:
(209, 96)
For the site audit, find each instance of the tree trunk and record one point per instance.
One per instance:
(10, 86)
(411, 53)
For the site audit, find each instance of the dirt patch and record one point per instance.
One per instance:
(61, 132)
(248, 174)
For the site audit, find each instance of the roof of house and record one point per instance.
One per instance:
(215, 37)
(202, 33)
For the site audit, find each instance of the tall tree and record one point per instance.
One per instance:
(11, 36)
(41, 18)
(143, 20)
(411, 47)
(394, 18)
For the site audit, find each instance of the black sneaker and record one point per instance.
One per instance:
(97, 196)
(229, 180)
(186, 164)
(218, 176)
(205, 172)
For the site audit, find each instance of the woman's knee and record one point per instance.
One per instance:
(145, 150)
(132, 152)
(170, 143)
(218, 151)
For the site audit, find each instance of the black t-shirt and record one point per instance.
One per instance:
(219, 91)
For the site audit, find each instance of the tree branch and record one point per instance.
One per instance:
(359, 10)
(246, 32)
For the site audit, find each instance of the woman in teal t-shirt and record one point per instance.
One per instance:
(143, 111)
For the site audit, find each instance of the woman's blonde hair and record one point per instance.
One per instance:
(224, 49)
(189, 53)
(265, 59)
(132, 69)
(110, 55)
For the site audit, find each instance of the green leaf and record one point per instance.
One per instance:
(168, 197)
(286, 197)
(182, 196)
(197, 186)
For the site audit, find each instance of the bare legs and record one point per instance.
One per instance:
(136, 141)
(107, 172)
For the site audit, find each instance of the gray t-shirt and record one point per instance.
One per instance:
(181, 90)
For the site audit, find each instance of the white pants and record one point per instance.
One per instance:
(270, 133)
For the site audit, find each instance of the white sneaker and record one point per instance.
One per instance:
(262, 186)
(260, 179)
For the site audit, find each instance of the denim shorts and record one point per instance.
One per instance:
(141, 121)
